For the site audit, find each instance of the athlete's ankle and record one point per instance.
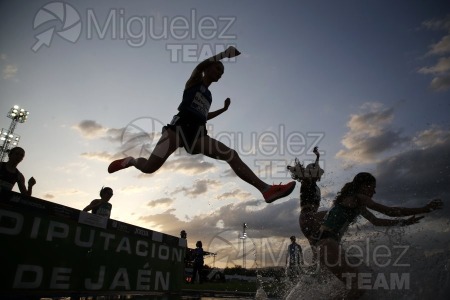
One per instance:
(265, 189)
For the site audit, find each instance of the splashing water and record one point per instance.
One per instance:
(394, 263)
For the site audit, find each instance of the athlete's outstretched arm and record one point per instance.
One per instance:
(214, 114)
(400, 211)
(196, 75)
(389, 222)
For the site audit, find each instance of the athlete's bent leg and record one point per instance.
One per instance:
(217, 150)
(166, 145)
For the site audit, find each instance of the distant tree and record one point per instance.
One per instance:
(237, 269)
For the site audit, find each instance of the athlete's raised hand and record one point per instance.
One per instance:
(231, 52)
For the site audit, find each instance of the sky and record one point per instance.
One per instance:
(368, 82)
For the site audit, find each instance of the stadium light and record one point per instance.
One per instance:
(9, 139)
(18, 114)
(243, 237)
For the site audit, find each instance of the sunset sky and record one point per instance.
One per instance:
(368, 82)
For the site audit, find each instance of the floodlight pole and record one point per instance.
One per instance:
(17, 115)
(244, 237)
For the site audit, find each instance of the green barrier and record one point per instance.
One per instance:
(49, 249)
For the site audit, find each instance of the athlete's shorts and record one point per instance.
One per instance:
(188, 131)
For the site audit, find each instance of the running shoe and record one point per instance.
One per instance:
(276, 192)
(119, 164)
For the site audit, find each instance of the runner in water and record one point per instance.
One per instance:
(310, 218)
(354, 199)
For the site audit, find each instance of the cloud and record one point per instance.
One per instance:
(63, 193)
(189, 164)
(9, 71)
(160, 202)
(199, 187)
(172, 224)
(442, 67)
(235, 194)
(412, 175)
(441, 47)
(133, 189)
(73, 167)
(99, 156)
(441, 73)
(280, 219)
(440, 83)
(431, 137)
(438, 24)
(229, 173)
(369, 135)
(418, 174)
(90, 129)
(441, 70)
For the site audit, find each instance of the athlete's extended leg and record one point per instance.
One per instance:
(167, 144)
(333, 257)
(217, 150)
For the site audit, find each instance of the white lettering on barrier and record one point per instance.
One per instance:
(17, 226)
(143, 280)
(60, 278)
(58, 230)
(161, 280)
(165, 255)
(32, 282)
(31, 277)
(53, 231)
(85, 244)
(139, 251)
(107, 237)
(121, 280)
(124, 245)
(90, 285)
(35, 228)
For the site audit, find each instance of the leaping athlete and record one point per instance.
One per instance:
(188, 130)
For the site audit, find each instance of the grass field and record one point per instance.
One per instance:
(243, 288)
(231, 286)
